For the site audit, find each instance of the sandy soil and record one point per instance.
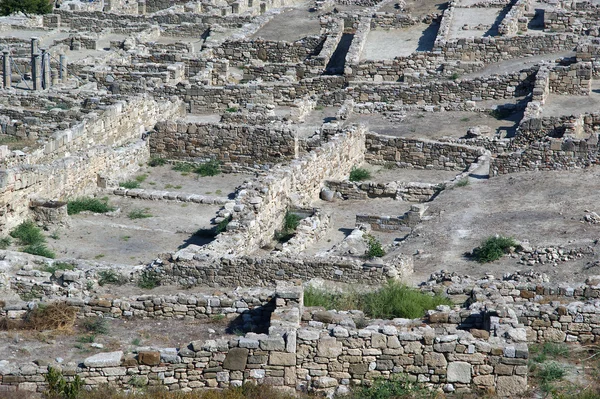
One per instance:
(535, 206)
(388, 44)
(290, 25)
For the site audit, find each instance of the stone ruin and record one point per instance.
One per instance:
(433, 99)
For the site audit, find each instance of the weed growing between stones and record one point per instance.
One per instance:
(149, 279)
(374, 248)
(359, 174)
(96, 205)
(156, 161)
(392, 300)
(56, 266)
(5, 242)
(130, 184)
(462, 182)
(111, 277)
(222, 225)
(393, 388)
(210, 168)
(493, 248)
(59, 388)
(291, 221)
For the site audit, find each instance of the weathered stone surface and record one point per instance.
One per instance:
(236, 359)
(510, 386)
(108, 359)
(459, 372)
(149, 358)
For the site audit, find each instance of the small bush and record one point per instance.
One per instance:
(551, 372)
(39, 249)
(139, 214)
(96, 205)
(156, 161)
(58, 387)
(183, 167)
(130, 184)
(374, 248)
(141, 178)
(56, 316)
(149, 279)
(110, 277)
(291, 221)
(493, 249)
(231, 109)
(96, 325)
(390, 301)
(222, 225)
(359, 174)
(58, 266)
(28, 233)
(210, 168)
(394, 388)
(5, 242)
(462, 182)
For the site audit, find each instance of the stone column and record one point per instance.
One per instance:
(45, 69)
(35, 43)
(6, 70)
(62, 69)
(142, 7)
(36, 72)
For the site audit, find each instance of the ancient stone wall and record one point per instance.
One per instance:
(514, 21)
(404, 191)
(242, 52)
(419, 153)
(575, 79)
(231, 144)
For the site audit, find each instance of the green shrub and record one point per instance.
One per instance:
(541, 353)
(58, 266)
(96, 205)
(462, 182)
(222, 225)
(390, 301)
(39, 249)
(96, 325)
(149, 279)
(291, 221)
(27, 7)
(183, 167)
(139, 214)
(28, 233)
(156, 161)
(493, 249)
(454, 76)
(359, 174)
(394, 388)
(551, 372)
(5, 242)
(58, 387)
(210, 168)
(231, 109)
(374, 248)
(130, 184)
(110, 277)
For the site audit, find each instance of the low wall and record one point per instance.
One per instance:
(231, 144)
(242, 52)
(416, 153)
(404, 191)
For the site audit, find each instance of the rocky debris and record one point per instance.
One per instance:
(591, 217)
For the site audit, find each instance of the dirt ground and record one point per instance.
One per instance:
(435, 125)
(290, 25)
(119, 239)
(125, 335)
(472, 17)
(539, 207)
(392, 43)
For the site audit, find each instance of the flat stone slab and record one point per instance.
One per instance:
(109, 359)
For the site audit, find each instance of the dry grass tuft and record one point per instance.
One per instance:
(55, 316)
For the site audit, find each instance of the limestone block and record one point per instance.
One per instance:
(109, 359)
(459, 372)
(282, 359)
(512, 386)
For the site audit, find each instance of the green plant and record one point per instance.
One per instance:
(136, 341)
(394, 388)
(110, 277)
(550, 372)
(58, 266)
(130, 184)
(454, 76)
(291, 221)
(392, 300)
(374, 248)
(222, 225)
(210, 168)
(28, 233)
(359, 174)
(95, 205)
(465, 119)
(139, 214)
(183, 167)
(96, 325)
(156, 161)
(141, 178)
(319, 108)
(55, 235)
(231, 109)
(149, 279)
(99, 256)
(540, 353)
(5, 242)
(89, 285)
(493, 248)
(462, 182)
(86, 339)
(58, 387)
(27, 7)
(125, 238)
(39, 249)
(389, 165)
